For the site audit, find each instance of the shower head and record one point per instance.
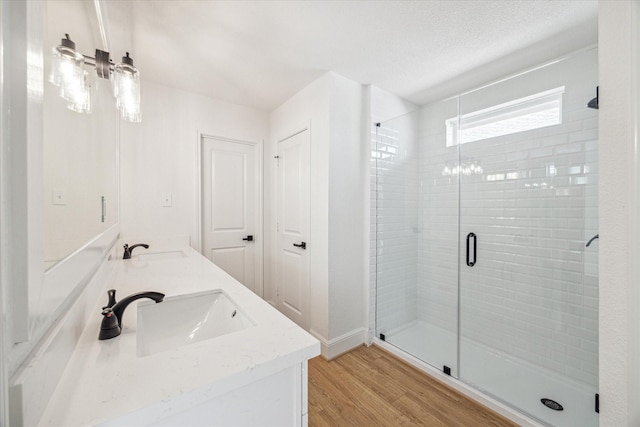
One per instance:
(594, 102)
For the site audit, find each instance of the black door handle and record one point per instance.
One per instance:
(249, 238)
(471, 262)
(302, 245)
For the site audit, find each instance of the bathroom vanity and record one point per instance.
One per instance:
(249, 367)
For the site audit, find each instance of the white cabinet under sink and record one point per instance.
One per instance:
(277, 400)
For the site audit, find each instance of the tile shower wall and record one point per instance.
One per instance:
(533, 293)
(394, 222)
(374, 317)
(438, 213)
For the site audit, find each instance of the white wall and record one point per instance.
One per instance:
(309, 107)
(348, 175)
(619, 299)
(332, 107)
(386, 106)
(5, 248)
(160, 155)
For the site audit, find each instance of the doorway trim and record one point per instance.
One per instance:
(258, 200)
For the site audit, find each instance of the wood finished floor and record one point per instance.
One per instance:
(370, 387)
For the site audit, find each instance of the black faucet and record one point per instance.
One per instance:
(112, 321)
(128, 249)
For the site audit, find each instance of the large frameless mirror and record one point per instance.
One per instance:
(69, 164)
(80, 199)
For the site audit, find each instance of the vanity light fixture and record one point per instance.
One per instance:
(68, 73)
(126, 88)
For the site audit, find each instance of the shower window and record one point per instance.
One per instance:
(532, 112)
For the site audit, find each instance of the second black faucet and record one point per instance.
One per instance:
(128, 249)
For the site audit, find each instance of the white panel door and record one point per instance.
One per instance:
(293, 228)
(229, 211)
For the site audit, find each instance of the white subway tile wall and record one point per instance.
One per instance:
(439, 219)
(531, 198)
(395, 220)
(533, 292)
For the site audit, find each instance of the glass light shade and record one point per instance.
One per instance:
(81, 102)
(67, 71)
(126, 89)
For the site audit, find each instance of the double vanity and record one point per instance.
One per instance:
(211, 353)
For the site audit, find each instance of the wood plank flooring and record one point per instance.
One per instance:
(370, 387)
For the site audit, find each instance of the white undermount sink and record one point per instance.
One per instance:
(185, 319)
(161, 255)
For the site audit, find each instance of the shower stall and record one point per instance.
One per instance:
(483, 206)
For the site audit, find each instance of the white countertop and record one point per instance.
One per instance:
(105, 382)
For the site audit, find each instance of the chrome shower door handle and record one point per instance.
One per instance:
(471, 261)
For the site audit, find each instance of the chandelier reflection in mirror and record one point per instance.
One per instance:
(68, 73)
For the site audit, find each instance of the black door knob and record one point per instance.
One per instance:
(249, 238)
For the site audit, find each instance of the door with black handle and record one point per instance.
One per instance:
(293, 257)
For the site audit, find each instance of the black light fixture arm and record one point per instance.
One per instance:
(103, 64)
(69, 72)
(101, 61)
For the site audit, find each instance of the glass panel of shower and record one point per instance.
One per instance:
(484, 205)
(416, 227)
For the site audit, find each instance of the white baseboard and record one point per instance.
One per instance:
(335, 347)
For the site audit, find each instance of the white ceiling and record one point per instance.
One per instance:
(260, 53)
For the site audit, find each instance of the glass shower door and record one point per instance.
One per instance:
(528, 206)
(416, 227)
